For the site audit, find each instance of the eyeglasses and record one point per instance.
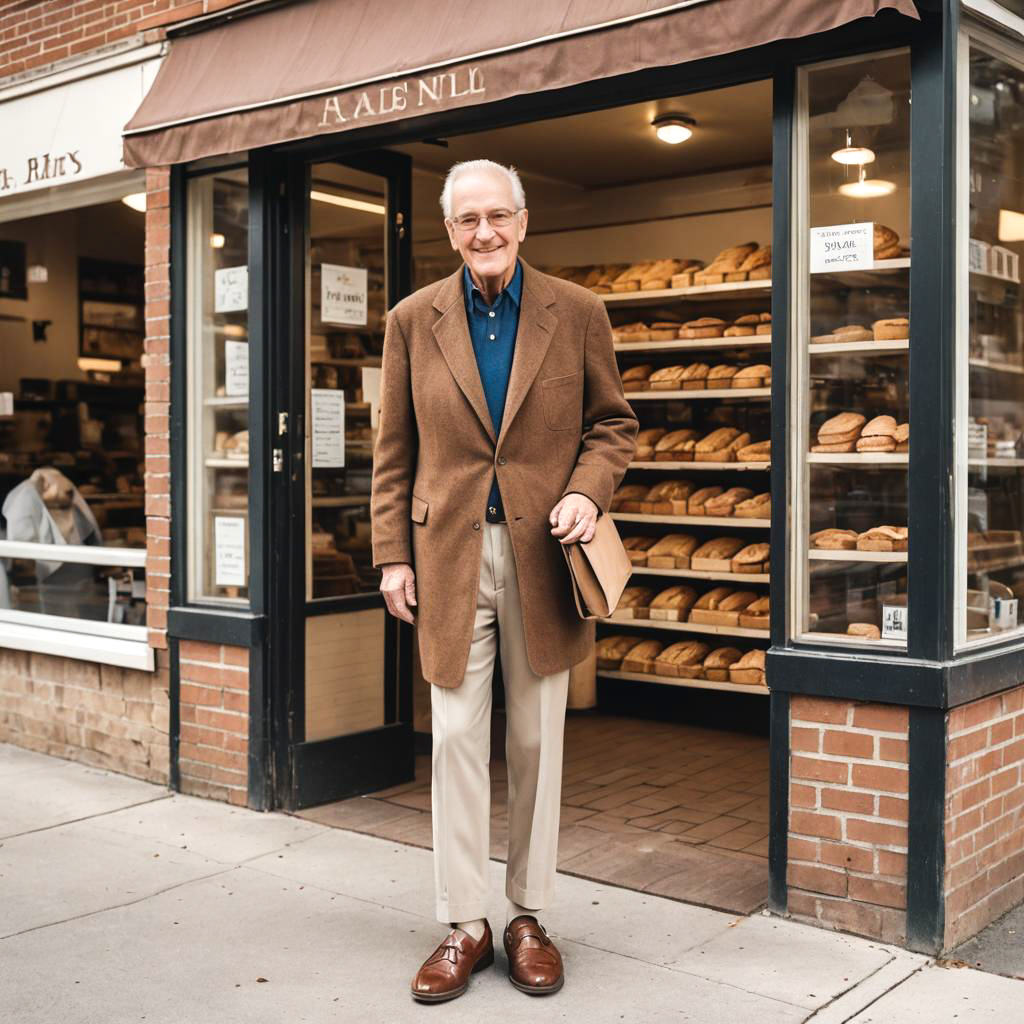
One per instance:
(496, 218)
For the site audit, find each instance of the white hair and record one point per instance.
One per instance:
(478, 167)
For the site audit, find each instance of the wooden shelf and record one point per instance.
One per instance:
(862, 277)
(877, 460)
(637, 396)
(216, 462)
(878, 348)
(986, 364)
(688, 627)
(640, 517)
(699, 574)
(693, 684)
(845, 640)
(695, 345)
(996, 463)
(729, 289)
(738, 466)
(825, 555)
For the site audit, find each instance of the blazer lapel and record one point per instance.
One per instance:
(452, 333)
(536, 329)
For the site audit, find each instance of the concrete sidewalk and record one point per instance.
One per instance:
(122, 902)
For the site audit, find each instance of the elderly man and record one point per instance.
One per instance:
(503, 432)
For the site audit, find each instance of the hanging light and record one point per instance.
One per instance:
(867, 188)
(217, 240)
(673, 128)
(853, 155)
(137, 201)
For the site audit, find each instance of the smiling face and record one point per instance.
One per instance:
(489, 252)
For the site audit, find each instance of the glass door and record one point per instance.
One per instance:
(349, 667)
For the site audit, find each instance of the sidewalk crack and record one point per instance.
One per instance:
(86, 817)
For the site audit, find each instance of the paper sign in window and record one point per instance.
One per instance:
(229, 551)
(230, 289)
(842, 247)
(236, 368)
(343, 295)
(328, 414)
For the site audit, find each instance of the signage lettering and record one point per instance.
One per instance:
(391, 99)
(44, 167)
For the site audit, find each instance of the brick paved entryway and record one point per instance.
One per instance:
(664, 808)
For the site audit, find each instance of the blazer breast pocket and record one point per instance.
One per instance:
(561, 398)
(418, 510)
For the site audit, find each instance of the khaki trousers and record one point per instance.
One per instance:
(461, 725)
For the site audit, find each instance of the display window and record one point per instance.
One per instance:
(72, 519)
(850, 416)
(990, 440)
(218, 387)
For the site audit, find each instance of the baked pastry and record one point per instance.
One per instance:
(884, 240)
(666, 379)
(683, 659)
(659, 499)
(640, 657)
(628, 497)
(842, 446)
(757, 376)
(634, 602)
(895, 328)
(610, 650)
(672, 551)
(723, 609)
(694, 376)
(759, 451)
(739, 331)
(728, 261)
(841, 429)
(757, 507)
(673, 603)
(759, 259)
(660, 274)
(635, 378)
(703, 327)
(834, 540)
(696, 505)
(716, 555)
(684, 279)
(720, 376)
(751, 559)
(756, 614)
(676, 445)
(716, 664)
(630, 332)
(883, 538)
(720, 445)
(902, 437)
(878, 435)
(749, 669)
(637, 548)
(664, 330)
(630, 278)
(645, 441)
(602, 277)
(765, 326)
(868, 630)
(725, 503)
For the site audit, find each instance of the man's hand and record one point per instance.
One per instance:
(398, 585)
(574, 518)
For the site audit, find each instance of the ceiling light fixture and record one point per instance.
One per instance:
(673, 128)
(137, 201)
(217, 240)
(851, 155)
(867, 188)
(351, 204)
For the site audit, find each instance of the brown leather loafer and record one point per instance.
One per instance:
(534, 963)
(445, 973)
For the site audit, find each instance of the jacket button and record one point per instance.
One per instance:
(476, 526)
(502, 460)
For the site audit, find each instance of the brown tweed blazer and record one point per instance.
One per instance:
(566, 427)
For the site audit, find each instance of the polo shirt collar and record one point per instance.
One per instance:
(514, 289)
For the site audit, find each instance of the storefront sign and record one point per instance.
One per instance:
(231, 289)
(236, 368)
(842, 247)
(69, 132)
(328, 412)
(343, 295)
(229, 551)
(894, 622)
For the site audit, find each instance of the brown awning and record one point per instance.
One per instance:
(321, 66)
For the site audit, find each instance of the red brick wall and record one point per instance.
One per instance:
(114, 718)
(214, 704)
(37, 33)
(984, 813)
(848, 816)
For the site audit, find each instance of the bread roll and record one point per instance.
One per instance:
(867, 630)
(884, 238)
(846, 426)
(759, 451)
(757, 507)
(834, 540)
(894, 329)
(751, 559)
(883, 538)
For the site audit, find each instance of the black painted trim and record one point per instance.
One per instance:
(235, 628)
(174, 716)
(778, 804)
(260, 790)
(926, 846)
(179, 384)
(983, 673)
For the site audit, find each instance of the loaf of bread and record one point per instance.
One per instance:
(716, 664)
(628, 497)
(695, 376)
(640, 658)
(757, 376)
(883, 538)
(716, 555)
(759, 258)
(673, 603)
(749, 668)
(765, 326)
(703, 327)
(848, 332)
(759, 451)
(867, 630)
(645, 441)
(666, 379)
(725, 504)
(886, 242)
(726, 262)
(677, 445)
(682, 659)
(842, 428)
(634, 602)
(610, 650)
(878, 435)
(752, 558)
(756, 614)
(720, 376)
(636, 331)
(717, 441)
(661, 273)
(664, 330)
(635, 378)
(902, 437)
(697, 502)
(711, 599)
(630, 278)
(893, 329)
(658, 500)
(834, 540)
(757, 507)
(740, 331)
(721, 606)
(672, 551)
(637, 548)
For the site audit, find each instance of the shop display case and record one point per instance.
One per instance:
(218, 395)
(849, 411)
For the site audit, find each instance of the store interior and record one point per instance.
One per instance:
(71, 407)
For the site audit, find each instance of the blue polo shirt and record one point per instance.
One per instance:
(493, 329)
